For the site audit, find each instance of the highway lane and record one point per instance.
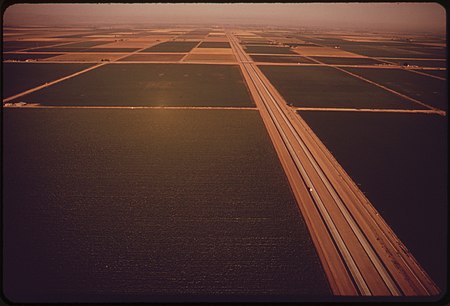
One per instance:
(359, 252)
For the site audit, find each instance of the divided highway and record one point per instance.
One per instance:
(359, 252)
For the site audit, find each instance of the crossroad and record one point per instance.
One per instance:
(359, 252)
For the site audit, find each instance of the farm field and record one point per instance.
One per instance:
(173, 46)
(419, 63)
(214, 44)
(19, 77)
(423, 88)
(63, 49)
(149, 85)
(153, 57)
(159, 204)
(268, 50)
(438, 73)
(400, 162)
(26, 56)
(280, 59)
(347, 60)
(327, 87)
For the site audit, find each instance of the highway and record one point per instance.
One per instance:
(359, 252)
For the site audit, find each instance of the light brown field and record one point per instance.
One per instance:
(210, 58)
(212, 51)
(84, 57)
(324, 51)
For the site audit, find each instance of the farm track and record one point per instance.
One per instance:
(359, 252)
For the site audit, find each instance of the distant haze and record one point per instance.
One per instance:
(402, 17)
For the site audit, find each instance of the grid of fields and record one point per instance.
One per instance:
(149, 85)
(400, 162)
(160, 204)
(156, 167)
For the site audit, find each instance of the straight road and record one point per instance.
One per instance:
(359, 252)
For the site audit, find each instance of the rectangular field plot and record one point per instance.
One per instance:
(150, 205)
(280, 59)
(400, 162)
(173, 46)
(86, 57)
(347, 60)
(438, 73)
(153, 57)
(328, 87)
(425, 89)
(210, 58)
(385, 51)
(19, 45)
(85, 44)
(151, 85)
(324, 51)
(268, 50)
(65, 49)
(18, 77)
(419, 63)
(214, 44)
(26, 56)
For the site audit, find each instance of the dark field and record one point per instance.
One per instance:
(149, 205)
(19, 45)
(268, 50)
(86, 44)
(280, 59)
(391, 51)
(24, 57)
(400, 160)
(18, 77)
(423, 88)
(420, 63)
(346, 60)
(84, 49)
(328, 87)
(439, 73)
(173, 46)
(151, 85)
(214, 44)
(153, 57)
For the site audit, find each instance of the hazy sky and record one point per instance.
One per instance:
(383, 16)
